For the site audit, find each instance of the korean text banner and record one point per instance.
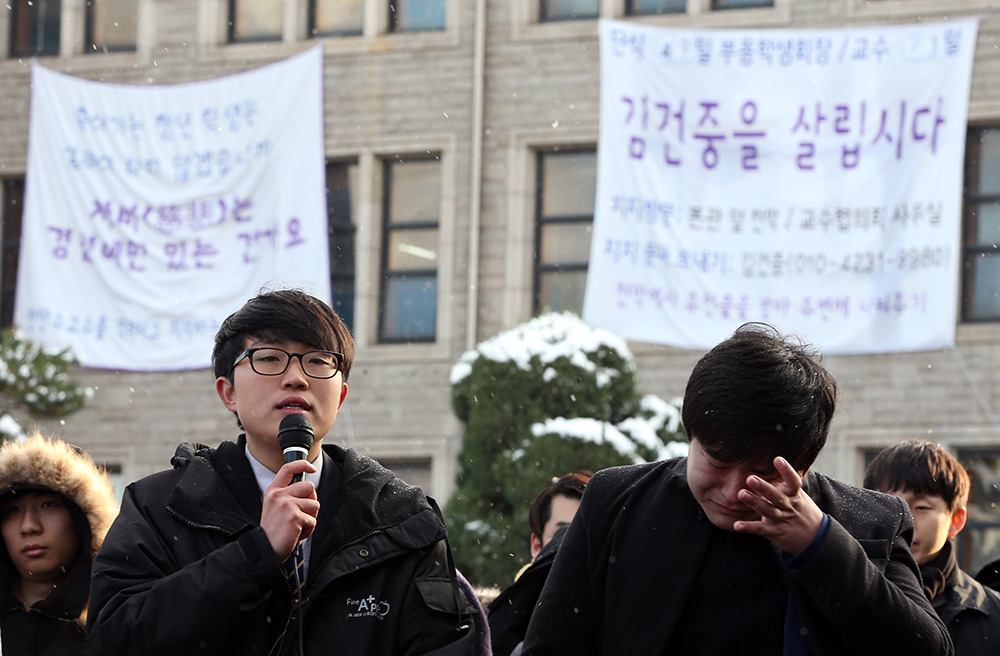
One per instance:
(810, 179)
(152, 213)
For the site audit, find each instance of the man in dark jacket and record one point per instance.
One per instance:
(198, 561)
(551, 511)
(936, 487)
(738, 548)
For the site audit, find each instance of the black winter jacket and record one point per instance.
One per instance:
(186, 568)
(970, 610)
(634, 550)
(510, 612)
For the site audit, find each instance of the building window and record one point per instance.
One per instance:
(335, 17)
(416, 15)
(741, 4)
(341, 204)
(34, 27)
(560, 10)
(256, 20)
(655, 7)
(10, 249)
(111, 25)
(981, 231)
(411, 210)
(565, 211)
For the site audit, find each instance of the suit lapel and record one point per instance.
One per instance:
(672, 527)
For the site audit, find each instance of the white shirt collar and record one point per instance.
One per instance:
(265, 476)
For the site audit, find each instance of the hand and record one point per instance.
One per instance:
(788, 516)
(289, 512)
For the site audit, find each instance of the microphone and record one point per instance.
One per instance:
(295, 435)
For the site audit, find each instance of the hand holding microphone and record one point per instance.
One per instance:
(290, 508)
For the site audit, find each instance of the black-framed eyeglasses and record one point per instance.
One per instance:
(273, 361)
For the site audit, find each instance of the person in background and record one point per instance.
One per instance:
(935, 486)
(739, 548)
(200, 559)
(550, 513)
(55, 508)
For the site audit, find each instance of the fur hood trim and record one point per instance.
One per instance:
(60, 467)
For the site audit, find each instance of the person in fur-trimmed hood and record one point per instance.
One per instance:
(55, 508)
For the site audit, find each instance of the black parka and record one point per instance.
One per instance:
(53, 626)
(186, 568)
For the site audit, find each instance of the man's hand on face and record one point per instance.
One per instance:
(289, 512)
(788, 516)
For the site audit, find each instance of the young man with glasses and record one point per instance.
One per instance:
(195, 564)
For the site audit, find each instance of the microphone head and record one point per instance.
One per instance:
(295, 430)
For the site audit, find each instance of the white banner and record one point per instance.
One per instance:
(153, 212)
(810, 179)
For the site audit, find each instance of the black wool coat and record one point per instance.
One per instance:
(633, 552)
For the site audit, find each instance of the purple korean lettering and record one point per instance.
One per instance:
(294, 229)
(63, 237)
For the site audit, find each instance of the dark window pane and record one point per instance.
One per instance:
(336, 17)
(416, 15)
(566, 243)
(341, 201)
(111, 25)
(13, 210)
(562, 290)
(989, 162)
(415, 191)
(569, 181)
(255, 20)
(412, 250)
(983, 286)
(410, 309)
(34, 27)
(738, 4)
(646, 7)
(986, 228)
(556, 10)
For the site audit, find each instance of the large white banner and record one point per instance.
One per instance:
(152, 212)
(810, 179)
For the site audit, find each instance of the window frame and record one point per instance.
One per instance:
(971, 199)
(540, 221)
(89, 24)
(341, 277)
(231, 28)
(386, 275)
(33, 15)
(392, 25)
(311, 31)
(12, 190)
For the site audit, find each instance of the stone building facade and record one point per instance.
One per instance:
(485, 111)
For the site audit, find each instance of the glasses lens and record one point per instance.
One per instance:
(320, 364)
(269, 361)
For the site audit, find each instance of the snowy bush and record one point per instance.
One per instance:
(38, 379)
(547, 398)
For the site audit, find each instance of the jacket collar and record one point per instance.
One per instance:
(217, 490)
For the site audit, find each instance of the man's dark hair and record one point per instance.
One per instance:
(570, 486)
(921, 468)
(758, 395)
(286, 314)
